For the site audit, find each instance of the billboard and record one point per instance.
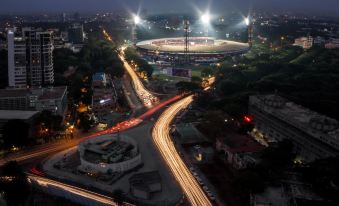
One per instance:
(179, 72)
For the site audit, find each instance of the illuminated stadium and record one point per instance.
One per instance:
(200, 49)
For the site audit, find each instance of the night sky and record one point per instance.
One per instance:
(7, 6)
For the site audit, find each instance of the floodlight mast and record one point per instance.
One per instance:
(249, 25)
(186, 51)
(136, 21)
(205, 19)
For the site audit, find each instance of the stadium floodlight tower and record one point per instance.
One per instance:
(186, 50)
(136, 21)
(205, 19)
(249, 25)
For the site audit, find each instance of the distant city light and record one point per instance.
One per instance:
(205, 18)
(137, 19)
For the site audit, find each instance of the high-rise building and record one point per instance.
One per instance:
(76, 34)
(30, 58)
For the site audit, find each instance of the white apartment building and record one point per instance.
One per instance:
(30, 58)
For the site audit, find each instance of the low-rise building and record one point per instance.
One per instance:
(104, 99)
(332, 44)
(241, 151)
(304, 42)
(53, 99)
(289, 193)
(320, 41)
(26, 116)
(142, 185)
(314, 136)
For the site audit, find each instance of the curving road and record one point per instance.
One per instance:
(146, 97)
(165, 145)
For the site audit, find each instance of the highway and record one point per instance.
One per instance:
(165, 145)
(47, 183)
(146, 97)
(39, 151)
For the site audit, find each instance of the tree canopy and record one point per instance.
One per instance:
(15, 133)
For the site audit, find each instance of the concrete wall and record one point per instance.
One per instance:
(116, 167)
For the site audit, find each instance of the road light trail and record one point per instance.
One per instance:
(162, 139)
(147, 98)
(44, 182)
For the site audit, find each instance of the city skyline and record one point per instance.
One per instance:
(155, 6)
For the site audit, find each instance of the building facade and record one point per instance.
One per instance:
(76, 34)
(332, 44)
(30, 58)
(53, 99)
(240, 151)
(104, 97)
(314, 136)
(304, 42)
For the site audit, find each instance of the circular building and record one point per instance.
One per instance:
(201, 49)
(109, 153)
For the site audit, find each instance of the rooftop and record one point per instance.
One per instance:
(100, 76)
(313, 123)
(144, 180)
(5, 93)
(42, 93)
(17, 114)
(53, 93)
(241, 143)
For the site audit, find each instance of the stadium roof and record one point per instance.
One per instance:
(218, 46)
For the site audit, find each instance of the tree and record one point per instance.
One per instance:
(196, 80)
(249, 182)
(14, 184)
(276, 159)
(119, 197)
(85, 122)
(206, 72)
(323, 175)
(15, 133)
(184, 86)
(47, 120)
